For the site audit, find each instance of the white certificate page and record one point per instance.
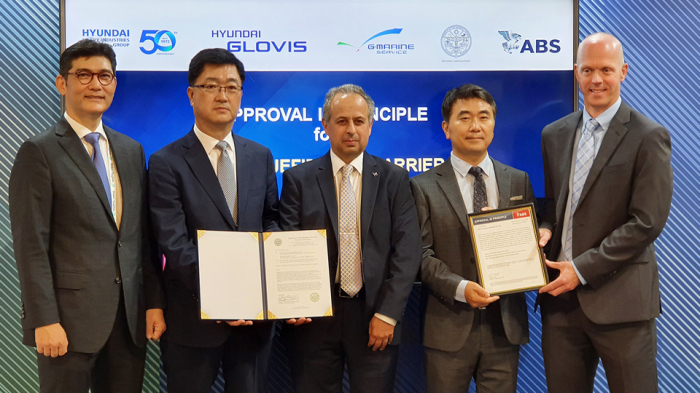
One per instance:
(297, 274)
(508, 252)
(230, 275)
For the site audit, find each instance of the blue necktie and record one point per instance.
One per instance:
(93, 138)
(584, 160)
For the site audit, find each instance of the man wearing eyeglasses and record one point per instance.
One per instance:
(215, 180)
(81, 239)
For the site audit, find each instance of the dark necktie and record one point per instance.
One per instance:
(479, 198)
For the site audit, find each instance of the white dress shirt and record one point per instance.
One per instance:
(209, 143)
(604, 120)
(466, 187)
(356, 183)
(115, 187)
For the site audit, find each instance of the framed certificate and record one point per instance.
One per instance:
(506, 250)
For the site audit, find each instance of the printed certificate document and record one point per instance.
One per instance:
(506, 250)
(269, 275)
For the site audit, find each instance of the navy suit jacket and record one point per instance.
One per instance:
(390, 236)
(185, 196)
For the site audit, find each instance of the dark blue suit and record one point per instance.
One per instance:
(185, 196)
(391, 255)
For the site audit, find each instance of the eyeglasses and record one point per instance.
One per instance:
(232, 90)
(85, 77)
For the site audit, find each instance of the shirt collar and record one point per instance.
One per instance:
(210, 142)
(81, 130)
(338, 164)
(462, 167)
(606, 117)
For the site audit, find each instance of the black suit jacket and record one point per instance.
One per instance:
(623, 208)
(186, 196)
(448, 256)
(390, 237)
(68, 249)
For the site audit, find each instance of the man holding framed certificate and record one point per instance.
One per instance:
(467, 331)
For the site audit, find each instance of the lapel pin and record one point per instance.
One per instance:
(374, 173)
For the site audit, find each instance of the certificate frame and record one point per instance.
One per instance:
(518, 212)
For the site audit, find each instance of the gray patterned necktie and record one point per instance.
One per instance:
(584, 160)
(227, 179)
(350, 265)
(480, 200)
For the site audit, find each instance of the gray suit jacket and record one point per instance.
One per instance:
(622, 209)
(448, 256)
(71, 258)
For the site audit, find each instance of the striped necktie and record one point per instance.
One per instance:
(584, 160)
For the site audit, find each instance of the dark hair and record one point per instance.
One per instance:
(465, 92)
(85, 48)
(217, 56)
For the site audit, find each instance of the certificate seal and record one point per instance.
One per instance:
(456, 41)
(315, 297)
(278, 242)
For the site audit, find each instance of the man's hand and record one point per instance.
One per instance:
(477, 296)
(380, 334)
(298, 321)
(51, 340)
(239, 322)
(155, 323)
(545, 235)
(567, 280)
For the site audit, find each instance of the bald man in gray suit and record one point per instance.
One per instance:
(608, 184)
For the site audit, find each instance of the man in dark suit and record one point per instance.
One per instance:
(365, 204)
(468, 333)
(81, 238)
(608, 184)
(210, 179)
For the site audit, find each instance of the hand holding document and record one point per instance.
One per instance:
(507, 252)
(258, 276)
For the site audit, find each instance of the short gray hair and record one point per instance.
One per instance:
(347, 89)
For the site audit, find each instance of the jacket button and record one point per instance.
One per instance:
(118, 280)
(120, 244)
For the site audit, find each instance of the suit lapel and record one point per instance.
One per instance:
(200, 165)
(565, 142)
(613, 137)
(503, 183)
(243, 175)
(370, 184)
(128, 175)
(71, 143)
(326, 183)
(448, 184)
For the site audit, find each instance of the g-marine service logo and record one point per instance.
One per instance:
(456, 41)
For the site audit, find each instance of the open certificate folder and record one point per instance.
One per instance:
(268, 275)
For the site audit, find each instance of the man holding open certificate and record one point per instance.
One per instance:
(468, 331)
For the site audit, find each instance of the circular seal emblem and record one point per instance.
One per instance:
(315, 297)
(456, 41)
(278, 242)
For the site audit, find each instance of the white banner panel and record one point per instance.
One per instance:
(272, 35)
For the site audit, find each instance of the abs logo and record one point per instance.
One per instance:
(384, 49)
(157, 41)
(512, 44)
(456, 41)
